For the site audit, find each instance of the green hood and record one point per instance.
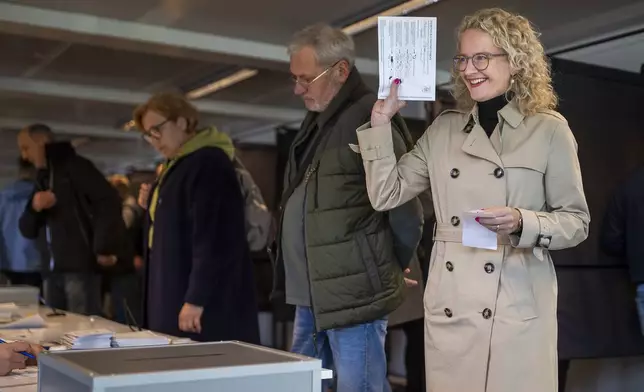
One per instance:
(209, 137)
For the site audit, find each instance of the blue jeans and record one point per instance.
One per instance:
(356, 353)
(639, 300)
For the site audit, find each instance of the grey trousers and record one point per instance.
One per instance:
(75, 292)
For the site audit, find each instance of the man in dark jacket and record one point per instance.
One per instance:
(622, 232)
(76, 216)
(337, 260)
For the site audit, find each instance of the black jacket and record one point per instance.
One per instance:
(622, 232)
(86, 220)
(199, 252)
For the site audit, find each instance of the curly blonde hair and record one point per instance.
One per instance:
(532, 82)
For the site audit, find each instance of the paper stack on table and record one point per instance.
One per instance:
(139, 338)
(89, 339)
(7, 310)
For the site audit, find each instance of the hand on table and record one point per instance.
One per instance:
(190, 318)
(10, 357)
(502, 220)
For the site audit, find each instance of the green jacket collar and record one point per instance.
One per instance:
(209, 137)
(352, 87)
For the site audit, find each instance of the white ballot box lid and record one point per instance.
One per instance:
(175, 364)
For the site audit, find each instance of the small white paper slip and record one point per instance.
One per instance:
(476, 235)
(407, 51)
(481, 213)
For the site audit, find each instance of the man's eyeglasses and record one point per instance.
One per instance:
(154, 132)
(480, 61)
(307, 83)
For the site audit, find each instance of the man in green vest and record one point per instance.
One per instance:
(336, 259)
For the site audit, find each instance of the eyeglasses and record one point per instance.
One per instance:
(480, 61)
(154, 132)
(306, 84)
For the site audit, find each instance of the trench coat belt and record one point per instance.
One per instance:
(445, 232)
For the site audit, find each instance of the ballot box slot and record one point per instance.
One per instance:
(170, 357)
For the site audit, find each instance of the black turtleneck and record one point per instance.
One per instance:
(488, 117)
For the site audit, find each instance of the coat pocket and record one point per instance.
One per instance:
(369, 261)
(518, 281)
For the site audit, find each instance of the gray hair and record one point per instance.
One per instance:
(330, 44)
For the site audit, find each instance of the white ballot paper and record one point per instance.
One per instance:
(476, 235)
(29, 321)
(407, 51)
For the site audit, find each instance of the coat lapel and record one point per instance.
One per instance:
(495, 139)
(490, 148)
(511, 114)
(507, 134)
(477, 143)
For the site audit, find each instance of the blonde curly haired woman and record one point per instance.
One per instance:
(490, 315)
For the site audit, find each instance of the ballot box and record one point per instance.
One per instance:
(20, 295)
(199, 367)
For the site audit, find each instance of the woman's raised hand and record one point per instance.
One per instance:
(384, 110)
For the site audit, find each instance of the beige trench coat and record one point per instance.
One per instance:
(490, 316)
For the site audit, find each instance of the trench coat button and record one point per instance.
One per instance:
(455, 173)
(455, 221)
(489, 268)
(487, 313)
(448, 312)
(498, 172)
(449, 266)
(468, 127)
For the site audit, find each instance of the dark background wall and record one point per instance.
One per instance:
(604, 108)
(597, 316)
(261, 160)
